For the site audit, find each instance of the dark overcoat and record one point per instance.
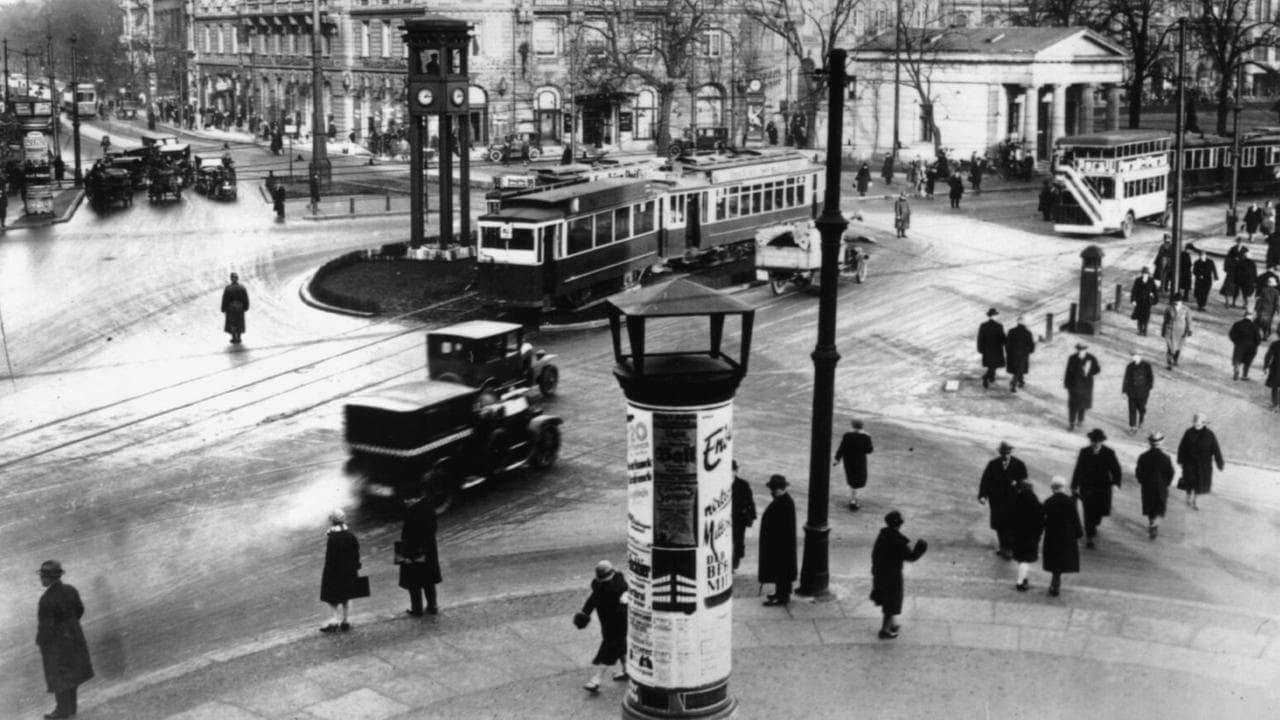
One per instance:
(1205, 272)
(1143, 295)
(235, 302)
(1197, 454)
(996, 487)
(606, 600)
(854, 449)
(890, 551)
(1245, 336)
(1244, 273)
(863, 179)
(1154, 474)
(1252, 219)
(421, 565)
(1184, 271)
(991, 343)
(1138, 380)
(957, 187)
(1229, 287)
(1062, 531)
(744, 516)
(341, 562)
(778, 541)
(1078, 379)
(1026, 523)
(1271, 365)
(63, 649)
(1094, 476)
(1019, 344)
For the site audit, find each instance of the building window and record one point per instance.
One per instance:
(386, 39)
(262, 44)
(326, 43)
(207, 43)
(293, 44)
(710, 44)
(276, 43)
(476, 35)
(646, 110)
(594, 36)
(646, 37)
(364, 39)
(546, 37)
(221, 47)
(235, 41)
(547, 114)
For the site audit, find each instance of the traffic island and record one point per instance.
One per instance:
(394, 280)
(63, 205)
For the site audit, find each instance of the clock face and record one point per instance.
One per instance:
(425, 97)
(459, 96)
(754, 85)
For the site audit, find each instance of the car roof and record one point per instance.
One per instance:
(476, 329)
(412, 396)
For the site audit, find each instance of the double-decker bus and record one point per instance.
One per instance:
(565, 244)
(1111, 180)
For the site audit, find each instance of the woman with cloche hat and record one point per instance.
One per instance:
(63, 649)
(609, 601)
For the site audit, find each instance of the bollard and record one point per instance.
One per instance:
(352, 206)
(389, 209)
(1048, 327)
(1071, 318)
(1119, 296)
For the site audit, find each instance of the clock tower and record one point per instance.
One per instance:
(439, 86)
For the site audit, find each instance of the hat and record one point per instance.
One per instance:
(1145, 270)
(1096, 435)
(1005, 447)
(51, 568)
(1082, 346)
(603, 569)
(1155, 437)
(857, 424)
(776, 482)
(235, 276)
(1058, 482)
(893, 519)
(993, 312)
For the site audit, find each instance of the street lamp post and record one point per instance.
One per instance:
(75, 112)
(6, 74)
(1235, 138)
(319, 131)
(897, 80)
(1178, 143)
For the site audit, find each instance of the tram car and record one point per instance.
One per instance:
(562, 245)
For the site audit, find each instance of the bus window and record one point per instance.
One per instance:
(777, 196)
(677, 209)
(791, 192)
(622, 222)
(580, 235)
(604, 228)
(644, 218)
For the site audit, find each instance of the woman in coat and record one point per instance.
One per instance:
(1097, 471)
(418, 555)
(1271, 366)
(863, 179)
(1143, 296)
(854, 448)
(1197, 454)
(63, 649)
(1062, 533)
(608, 599)
(1026, 523)
(1175, 330)
(1252, 219)
(890, 551)
(1154, 474)
(338, 579)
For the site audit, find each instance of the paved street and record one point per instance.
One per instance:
(184, 484)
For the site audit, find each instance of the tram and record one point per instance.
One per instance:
(564, 244)
(85, 97)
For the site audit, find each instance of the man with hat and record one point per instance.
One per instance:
(1205, 272)
(854, 448)
(1175, 330)
(1229, 289)
(1245, 337)
(63, 648)
(1078, 380)
(744, 514)
(995, 490)
(235, 303)
(1137, 384)
(991, 346)
(890, 551)
(778, 542)
(1244, 275)
(1143, 295)
(1197, 454)
(1154, 474)
(1060, 553)
(1019, 345)
(417, 553)
(1097, 470)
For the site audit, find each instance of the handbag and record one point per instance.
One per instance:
(581, 620)
(361, 587)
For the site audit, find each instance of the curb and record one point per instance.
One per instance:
(304, 292)
(70, 212)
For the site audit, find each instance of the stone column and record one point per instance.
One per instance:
(1058, 119)
(1031, 119)
(1085, 125)
(1113, 105)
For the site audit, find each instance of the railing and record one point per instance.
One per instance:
(1083, 193)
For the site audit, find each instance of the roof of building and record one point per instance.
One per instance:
(991, 40)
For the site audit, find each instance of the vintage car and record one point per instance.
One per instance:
(714, 138)
(485, 353)
(136, 165)
(523, 145)
(109, 185)
(217, 182)
(164, 183)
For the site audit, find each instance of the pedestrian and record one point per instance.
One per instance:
(772, 131)
(1245, 336)
(902, 214)
(862, 180)
(1184, 272)
(744, 514)
(1273, 250)
(913, 176)
(1197, 454)
(1143, 295)
(778, 542)
(608, 599)
(1271, 366)
(1061, 551)
(890, 551)
(921, 177)
(1233, 220)
(991, 339)
(1230, 291)
(313, 185)
(235, 303)
(1268, 224)
(1205, 273)
(417, 553)
(1245, 274)
(277, 200)
(1078, 380)
(1154, 474)
(1026, 524)
(566, 157)
(975, 172)
(854, 448)
(995, 490)
(339, 581)
(1252, 219)
(930, 180)
(1096, 471)
(886, 171)
(1045, 204)
(1019, 345)
(63, 649)
(1136, 386)
(957, 190)
(1163, 263)
(1175, 330)
(1265, 306)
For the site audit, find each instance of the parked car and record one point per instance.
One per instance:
(517, 146)
(713, 138)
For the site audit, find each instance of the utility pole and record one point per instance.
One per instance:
(1235, 136)
(75, 112)
(6, 74)
(53, 95)
(897, 80)
(1178, 143)
(319, 129)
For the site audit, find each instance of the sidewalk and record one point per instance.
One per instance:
(520, 657)
(65, 203)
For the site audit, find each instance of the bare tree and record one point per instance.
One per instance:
(829, 21)
(1059, 13)
(920, 46)
(1130, 22)
(1227, 31)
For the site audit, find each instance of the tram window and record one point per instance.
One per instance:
(777, 197)
(644, 218)
(768, 197)
(677, 209)
(703, 210)
(755, 199)
(800, 192)
(490, 238)
(604, 228)
(521, 239)
(791, 195)
(622, 222)
(580, 235)
(549, 247)
(722, 205)
(733, 205)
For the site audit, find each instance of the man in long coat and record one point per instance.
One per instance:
(862, 180)
(1244, 275)
(1245, 336)
(1019, 344)
(889, 552)
(1205, 273)
(63, 648)
(1197, 454)
(235, 303)
(1061, 552)
(744, 514)
(1078, 380)
(1229, 289)
(1265, 307)
(778, 542)
(417, 553)
(991, 346)
(1271, 366)
(1143, 296)
(902, 214)
(854, 448)
(956, 192)
(1154, 474)
(1097, 471)
(1136, 386)
(1175, 329)
(1163, 263)
(995, 489)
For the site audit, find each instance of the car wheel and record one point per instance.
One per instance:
(778, 284)
(548, 379)
(534, 153)
(450, 377)
(495, 156)
(441, 487)
(546, 447)
(496, 450)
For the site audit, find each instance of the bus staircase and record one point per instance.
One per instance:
(1080, 205)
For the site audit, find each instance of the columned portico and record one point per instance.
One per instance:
(1031, 118)
(1085, 124)
(1113, 91)
(1058, 123)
